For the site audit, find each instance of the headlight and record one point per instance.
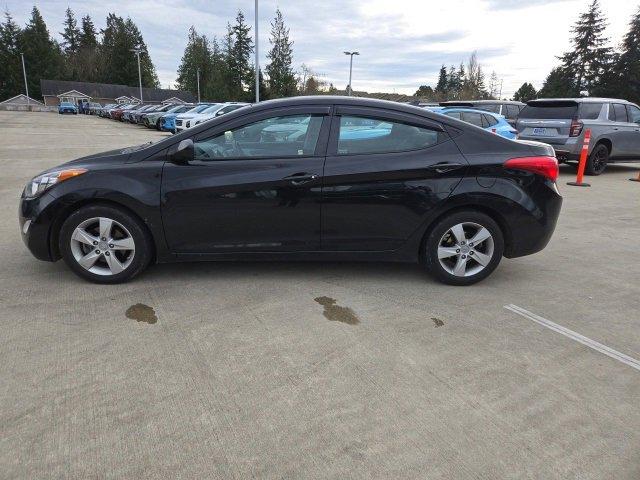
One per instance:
(43, 182)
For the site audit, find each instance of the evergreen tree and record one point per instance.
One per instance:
(559, 83)
(442, 85)
(282, 80)
(87, 67)
(11, 83)
(42, 55)
(627, 81)
(239, 62)
(525, 93)
(265, 92)
(424, 91)
(453, 84)
(590, 56)
(71, 45)
(217, 87)
(197, 56)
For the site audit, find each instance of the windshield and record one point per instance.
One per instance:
(198, 108)
(549, 111)
(211, 108)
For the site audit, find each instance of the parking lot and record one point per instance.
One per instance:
(250, 370)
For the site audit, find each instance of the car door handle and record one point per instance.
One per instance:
(445, 167)
(300, 178)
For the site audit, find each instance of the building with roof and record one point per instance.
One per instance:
(56, 91)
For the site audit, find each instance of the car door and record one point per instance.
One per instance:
(633, 113)
(384, 173)
(253, 185)
(623, 133)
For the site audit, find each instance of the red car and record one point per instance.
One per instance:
(116, 114)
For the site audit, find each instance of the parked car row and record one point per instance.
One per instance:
(172, 118)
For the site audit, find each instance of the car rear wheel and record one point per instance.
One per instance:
(597, 161)
(104, 244)
(463, 248)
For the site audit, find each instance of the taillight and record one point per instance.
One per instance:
(545, 166)
(576, 128)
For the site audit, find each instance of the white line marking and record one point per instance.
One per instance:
(621, 357)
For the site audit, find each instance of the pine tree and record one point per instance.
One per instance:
(525, 93)
(424, 91)
(590, 56)
(42, 55)
(559, 83)
(627, 83)
(11, 72)
(87, 67)
(282, 80)
(197, 56)
(239, 65)
(71, 45)
(442, 87)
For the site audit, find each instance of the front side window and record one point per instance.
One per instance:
(374, 135)
(634, 113)
(286, 136)
(620, 112)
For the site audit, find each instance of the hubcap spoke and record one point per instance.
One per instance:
(105, 227)
(114, 264)
(481, 258)
(446, 252)
(481, 236)
(458, 232)
(461, 267)
(89, 259)
(122, 244)
(83, 237)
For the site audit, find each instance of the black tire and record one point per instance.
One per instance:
(142, 240)
(597, 161)
(443, 227)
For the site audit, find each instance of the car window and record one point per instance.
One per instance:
(472, 118)
(489, 107)
(228, 109)
(375, 135)
(590, 111)
(620, 112)
(286, 136)
(512, 111)
(491, 121)
(550, 111)
(456, 115)
(634, 113)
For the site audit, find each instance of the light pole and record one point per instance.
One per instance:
(24, 72)
(198, 80)
(257, 57)
(137, 51)
(351, 54)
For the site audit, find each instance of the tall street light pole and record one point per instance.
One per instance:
(351, 54)
(26, 85)
(257, 57)
(137, 51)
(198, 80)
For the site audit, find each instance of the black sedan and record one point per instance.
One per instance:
(306, 178)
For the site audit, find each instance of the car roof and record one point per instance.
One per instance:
(470, 103)
(470, 110)
(576, 100)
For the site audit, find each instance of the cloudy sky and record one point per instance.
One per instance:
(402, 43)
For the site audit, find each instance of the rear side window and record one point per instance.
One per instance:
(634, 113)
(511, 111)
(549, 112)
(491, 121)
(376, 135)
(489, 107)
(620, 112)
(590, 111)
(456, 115)
(473, 119)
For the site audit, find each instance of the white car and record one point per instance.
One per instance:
(189, 120)
(183, 117)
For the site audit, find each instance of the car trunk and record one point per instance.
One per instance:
(547, 121)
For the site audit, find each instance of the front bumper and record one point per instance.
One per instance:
(35, 217)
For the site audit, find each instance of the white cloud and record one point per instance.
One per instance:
(402, 42)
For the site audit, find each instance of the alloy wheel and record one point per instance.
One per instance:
(102, 246)
(465, 249)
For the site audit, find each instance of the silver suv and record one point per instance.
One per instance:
(562, 123)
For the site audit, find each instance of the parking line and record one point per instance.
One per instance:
(621, 357)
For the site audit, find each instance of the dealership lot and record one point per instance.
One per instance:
(296, 370)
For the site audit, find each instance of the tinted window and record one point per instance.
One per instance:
(511, 111)
(472, 118)
(590, 111)
(228, 109)
(634, 113)
(549, 112)
(489, 107)
(491, 121)
(455, 115)
(287, 136)
(372, 135)
(620, 112)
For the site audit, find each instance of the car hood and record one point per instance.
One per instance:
(110, 157)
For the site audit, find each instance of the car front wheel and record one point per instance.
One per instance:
(104, 244)
(463, 248)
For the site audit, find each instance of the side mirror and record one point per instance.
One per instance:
(184, 153)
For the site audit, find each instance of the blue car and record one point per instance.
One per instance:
(67, 107)
(168, 120)
(491, 122)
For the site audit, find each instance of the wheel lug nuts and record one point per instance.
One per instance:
(471, 253)
(97, 252)
(107, 254)
(457, 250)
(471, 244)
(111, 245)
(104, 239)
(95, 243)
(464, 256)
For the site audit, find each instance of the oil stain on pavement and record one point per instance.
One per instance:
(437, 322)
(336, 313)
(141, 313)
